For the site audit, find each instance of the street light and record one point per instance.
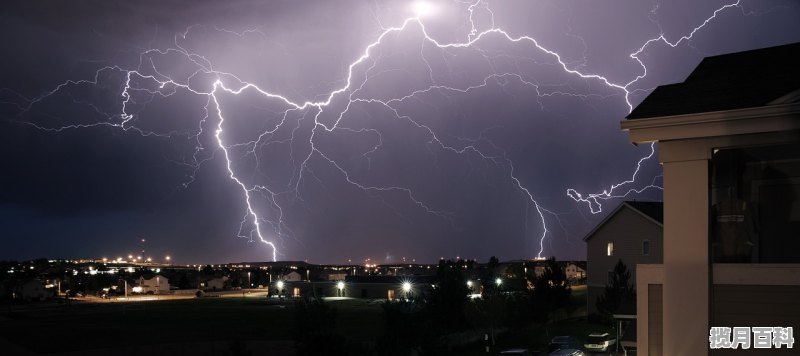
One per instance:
(280, 288)
(498, 281)
(469, 284)
(340, 286)
(406, 289)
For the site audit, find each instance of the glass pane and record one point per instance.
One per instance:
(755, 204)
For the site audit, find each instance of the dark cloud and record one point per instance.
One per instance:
(435, 170)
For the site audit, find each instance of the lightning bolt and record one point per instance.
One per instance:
(146, 82)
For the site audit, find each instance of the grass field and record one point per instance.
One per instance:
(83, 326)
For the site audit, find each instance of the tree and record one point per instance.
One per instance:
(551, 290)
(446, 302)
(618, 291)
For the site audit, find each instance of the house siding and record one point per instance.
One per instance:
(755, 305)
(655, 313)
(626, 229)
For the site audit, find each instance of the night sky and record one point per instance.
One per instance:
(454, 136)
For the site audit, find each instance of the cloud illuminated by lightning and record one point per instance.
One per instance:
(212, 83)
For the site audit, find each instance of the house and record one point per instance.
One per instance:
(632, 232)
(157, 284)
(575, 271)
(33, 289)
(213, 283)
(292, 277)
(729, 143)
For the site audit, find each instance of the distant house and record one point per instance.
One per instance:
(213, 283)
(633, 233)
(575, 271)
(33, 289)
(729, 144)
(157, 284)
(292, 277)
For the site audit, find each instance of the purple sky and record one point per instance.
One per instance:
(458, 133)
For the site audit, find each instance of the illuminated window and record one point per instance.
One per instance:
(646, 248)
(610, 249)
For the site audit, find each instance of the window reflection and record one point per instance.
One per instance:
(755, 204)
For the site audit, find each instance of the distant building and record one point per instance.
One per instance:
(729, 144)
(633, 233)
(575, 271)
(157, 284)
(33, 289)
(213, 283)
(292, 277)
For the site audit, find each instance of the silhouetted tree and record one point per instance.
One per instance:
(618, 290)
(446, 303)
(550, 290)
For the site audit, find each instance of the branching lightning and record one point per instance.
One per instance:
(207, 81)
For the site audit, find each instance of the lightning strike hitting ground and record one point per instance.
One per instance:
(328, 114)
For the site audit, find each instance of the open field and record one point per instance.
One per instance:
(183, 324)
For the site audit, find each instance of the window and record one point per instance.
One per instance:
(754, 210)
(610, 249)
(646, 248)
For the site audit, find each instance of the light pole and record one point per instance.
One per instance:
(340, 286)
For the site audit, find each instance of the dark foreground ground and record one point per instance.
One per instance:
(252, 325)
(204, 326)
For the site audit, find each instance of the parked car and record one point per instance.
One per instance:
(563, 342)
(567, 352)
(523, 352)
(600, 342)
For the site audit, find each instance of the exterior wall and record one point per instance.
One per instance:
(158, 284)
(756, 305)
(574, 272)
(690, 305)
(351, 290)
(214, 284)
(686, 273)
(34, 290)
(655, 317)
(626, 229)
(649, 276)
(292, 277)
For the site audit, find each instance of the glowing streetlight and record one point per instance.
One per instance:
(406, 287)
(280, 285)
(498, 281)
(340, 287)
(469, 284)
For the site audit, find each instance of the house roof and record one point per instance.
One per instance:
(729, 81)
(653, 211)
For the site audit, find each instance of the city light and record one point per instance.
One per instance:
(469, 284)
(280, 285)
(498, 281)
(340, 285)
(406, 287)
